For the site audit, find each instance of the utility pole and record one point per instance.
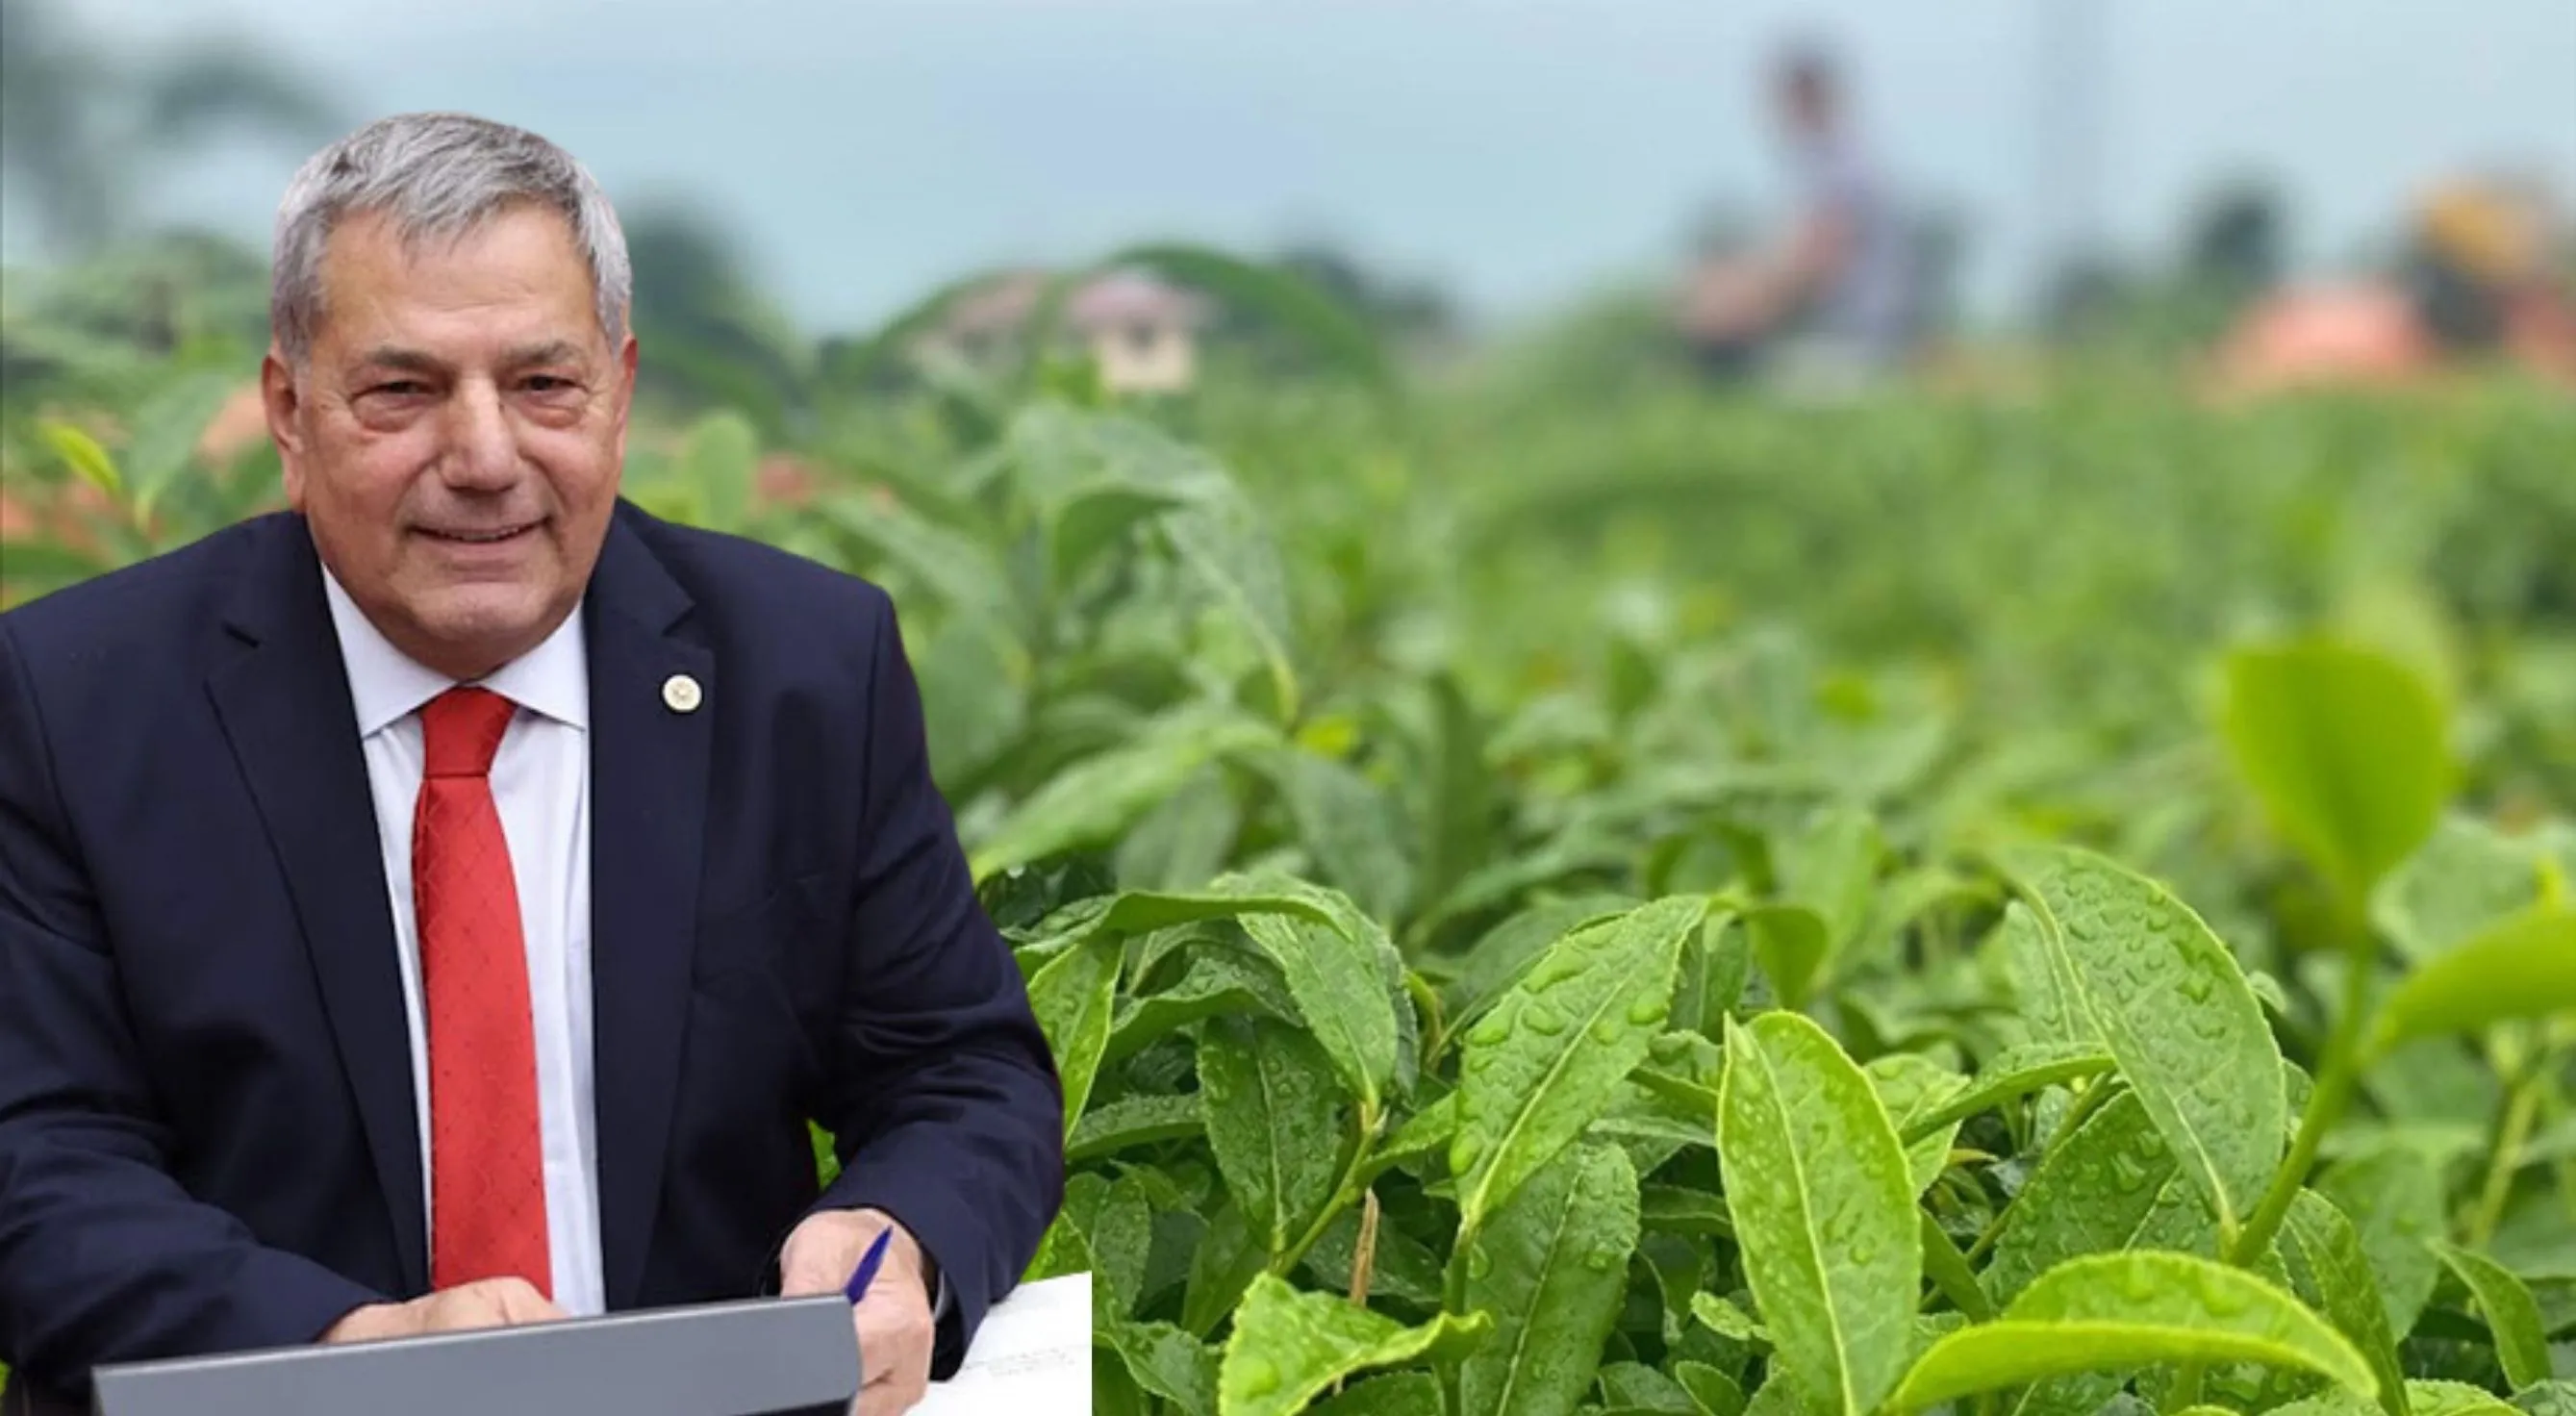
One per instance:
(2074, 63)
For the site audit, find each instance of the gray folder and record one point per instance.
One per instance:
(758, 1357)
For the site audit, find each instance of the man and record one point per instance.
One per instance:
(444, 904)
(1832, 302)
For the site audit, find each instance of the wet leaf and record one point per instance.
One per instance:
(1551, 1268)
(2394, 1199)
(1541, 1065)
(1073, 996)
(2111, 1186)
(2323, 1254)
(2013, 1074)
(2119, 1312)
(2171, 1005)
(1288, 1346)
(1823, 1206)
(2521, 1344)
(1270, 1098)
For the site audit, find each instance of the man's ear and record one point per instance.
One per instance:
(282, 401)
(628, 356)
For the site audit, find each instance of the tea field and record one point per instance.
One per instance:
(1638, 899)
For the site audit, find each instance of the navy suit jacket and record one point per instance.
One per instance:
(207, 1133)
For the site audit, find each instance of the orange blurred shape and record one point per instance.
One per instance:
(2359, 333)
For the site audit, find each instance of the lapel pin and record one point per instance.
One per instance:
(680, 693)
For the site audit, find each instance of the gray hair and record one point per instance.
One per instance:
(436, 176)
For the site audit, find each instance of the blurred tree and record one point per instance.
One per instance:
(80, 131)
(710, 337)
(2235, 237)
(1400, 308)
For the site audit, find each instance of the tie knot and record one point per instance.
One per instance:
(461, 730)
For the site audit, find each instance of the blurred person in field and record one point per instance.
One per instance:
(2475, 285)
(1829, 301)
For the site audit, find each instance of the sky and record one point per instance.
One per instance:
(862, 152)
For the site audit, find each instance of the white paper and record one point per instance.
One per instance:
(1031, 1356)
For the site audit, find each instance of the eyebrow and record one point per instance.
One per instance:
(388, 356)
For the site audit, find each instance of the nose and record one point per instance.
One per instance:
(483, 449)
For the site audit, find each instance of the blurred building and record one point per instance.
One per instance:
(1142, 332)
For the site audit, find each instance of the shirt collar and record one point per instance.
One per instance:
(386, 684)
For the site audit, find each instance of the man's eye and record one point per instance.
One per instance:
(399, 388)
(547, 383)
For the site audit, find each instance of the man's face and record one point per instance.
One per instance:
(456, 435)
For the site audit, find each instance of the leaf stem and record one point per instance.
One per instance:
(2521, 1113)
(2337, 1080)
(1346, 1191)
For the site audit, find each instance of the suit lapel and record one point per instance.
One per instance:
(284, 702)
(648, 781)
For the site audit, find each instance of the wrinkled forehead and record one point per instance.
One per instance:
(513, 275)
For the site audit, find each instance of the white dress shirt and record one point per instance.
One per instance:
(541, 783)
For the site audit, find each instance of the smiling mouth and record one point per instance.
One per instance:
(479, 538)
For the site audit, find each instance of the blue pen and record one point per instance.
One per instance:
(859, 1281)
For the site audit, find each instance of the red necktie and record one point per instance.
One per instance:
(487, 1161)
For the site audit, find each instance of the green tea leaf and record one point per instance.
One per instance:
(1551, 1268)
(2169, 1002)
(1348, 825)
(1103, 794)
(1227, 1257)
(167, 430)
(2420, 1398)
(1270, 1098)
(2323, 1254)
(83, 454)
(2112, 1312)
(2394, 1198)
(1538, 1067)
(1336, 975)
(1073, 996)
(2014, 1073)
(2438, 1398)
(1949, 1271)
(2111, 1186)
(1133, 1121)
(2521, 1344)
(1634, 1386)
(1167, 1362)
(1288, 1346)
(1721, 1316)
(1424, 1134)
(1829, 864)
(2347, 749)
(1395, 1394)
(1713, 1391)
(2524, 967)
(1823, 1207)
(1910, 1086)
(2551, 1398)
(1219, 981)
(1226, 544)
(956, 567)
(2466, 877)
(1502, 954)
(1790, 942)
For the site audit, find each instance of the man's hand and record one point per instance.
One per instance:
(486, 1303)
(894, 1326)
